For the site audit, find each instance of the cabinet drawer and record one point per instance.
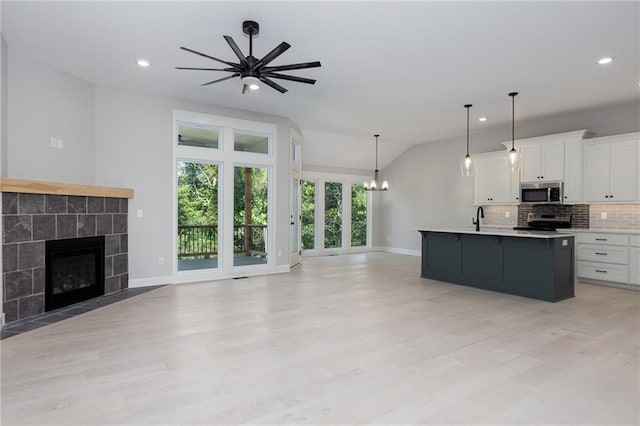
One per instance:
(602, 238)
(603, 253)
(603, 271)
(634, 240)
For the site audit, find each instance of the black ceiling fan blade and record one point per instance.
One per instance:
(273, 84)
(205, 69)
(289, 77)
(293, 66)
(236, 74)
(245, 89)
(236, 50)
(204, 55)
(279, 50)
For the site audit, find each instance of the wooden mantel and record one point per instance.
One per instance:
(57, 188)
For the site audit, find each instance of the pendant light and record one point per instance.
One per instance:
(512, 158)
(466, 164)
(373, 185)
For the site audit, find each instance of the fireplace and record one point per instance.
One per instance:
(74, 271)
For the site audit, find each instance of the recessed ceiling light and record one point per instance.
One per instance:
(605, 60)
(143, 63)
(483, 119)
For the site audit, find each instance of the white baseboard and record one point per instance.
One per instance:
(199, 277)
(148, 282)
(329, 252)
(401, 251)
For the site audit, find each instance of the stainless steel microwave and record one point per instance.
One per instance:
(542, 193)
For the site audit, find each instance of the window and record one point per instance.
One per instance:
(248, 142)
(335, 213)
(223, 187)
(200, 136)
(197, 215)
(358, 215)
(250, 214)
(308, 214)
(332, 214)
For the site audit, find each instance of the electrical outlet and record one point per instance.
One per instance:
(54, 143)
(506, 214)
(161, 260)
(603, 215)
(139, 213)
(60, 143)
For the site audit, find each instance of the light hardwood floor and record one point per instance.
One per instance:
(340, 340)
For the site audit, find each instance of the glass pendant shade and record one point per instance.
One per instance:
(466, 164)
(512, 158)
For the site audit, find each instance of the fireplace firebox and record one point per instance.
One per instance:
(74, 271)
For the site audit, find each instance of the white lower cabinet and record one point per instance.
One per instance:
(634, 260)
(608, 257)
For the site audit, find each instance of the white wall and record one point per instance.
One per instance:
(44, 102)
(116, 138)
(3, 145)
(327, 151)
(3, 107)
(134, 140)
(426, 189)
(426, 186)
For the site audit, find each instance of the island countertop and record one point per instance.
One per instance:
(501, 232)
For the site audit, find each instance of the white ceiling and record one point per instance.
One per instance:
(403, 70)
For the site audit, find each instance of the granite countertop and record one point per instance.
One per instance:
(502, 232)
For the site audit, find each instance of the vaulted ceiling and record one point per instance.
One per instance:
(403, 70)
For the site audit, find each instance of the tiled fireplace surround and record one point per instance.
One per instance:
(29, 220)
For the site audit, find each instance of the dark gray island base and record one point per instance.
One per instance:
(537, 266)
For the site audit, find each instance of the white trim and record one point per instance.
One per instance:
(148, 282)
(195, 278)
(400, 251)
(226, 158)
(332, 252)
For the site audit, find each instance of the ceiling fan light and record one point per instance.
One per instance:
(251, 82)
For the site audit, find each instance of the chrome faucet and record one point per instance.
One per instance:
(476, 221)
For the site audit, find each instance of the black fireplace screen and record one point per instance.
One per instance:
(74, 271)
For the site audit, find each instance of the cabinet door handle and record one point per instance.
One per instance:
(601, 239)
(601, 271)
(610, 196)
(601, 254)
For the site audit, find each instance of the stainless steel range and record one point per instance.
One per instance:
(545, 222)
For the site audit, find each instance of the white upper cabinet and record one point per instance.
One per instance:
(573, 171)
(494, 184)
(542, 161)
(611, 168)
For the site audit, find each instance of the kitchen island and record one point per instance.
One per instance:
(538, 264)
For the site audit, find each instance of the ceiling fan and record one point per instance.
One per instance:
(252, 70)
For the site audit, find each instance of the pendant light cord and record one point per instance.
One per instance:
(376, 136)
(468, 106)
(513, 119)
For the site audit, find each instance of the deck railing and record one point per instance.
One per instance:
(202, 240)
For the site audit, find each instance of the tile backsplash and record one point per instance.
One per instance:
(583, 216)
(579, 213)
(497, 216)
(618, 216)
